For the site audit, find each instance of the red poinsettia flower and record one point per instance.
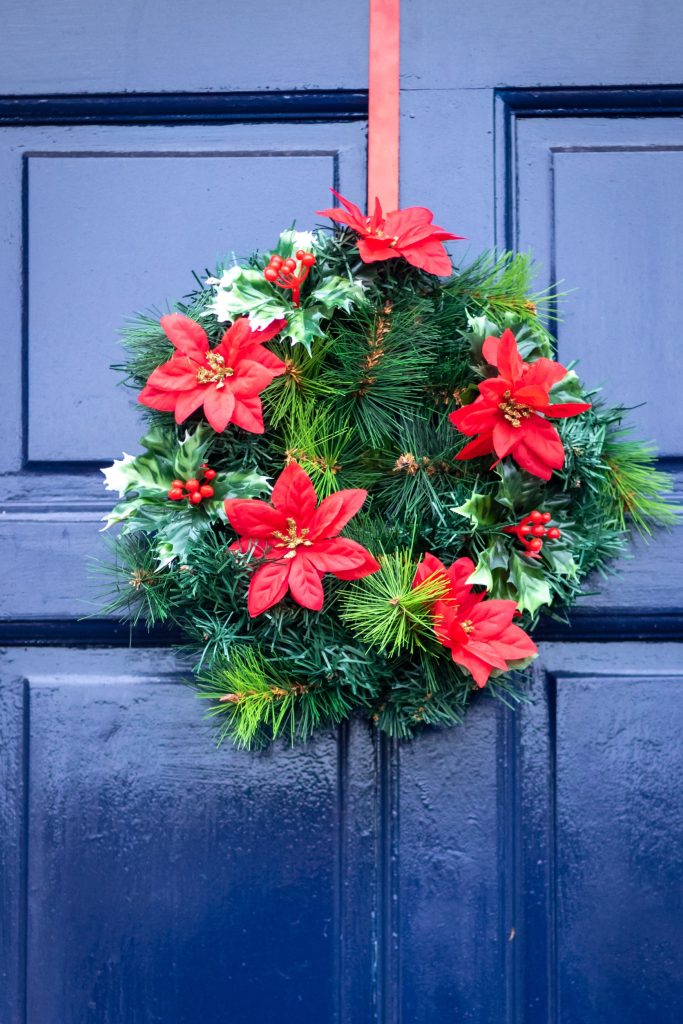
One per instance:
(509, 416)
(408, 233)
(227, 380)
(479, 631)
(299, 540)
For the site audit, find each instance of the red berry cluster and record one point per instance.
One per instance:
(192, 489)
(284, 272)
(531, 529)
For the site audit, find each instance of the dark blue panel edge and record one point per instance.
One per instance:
(186, 108)
(622, 101)
(583, 626)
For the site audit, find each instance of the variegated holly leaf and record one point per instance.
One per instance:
(303, 327)
(141, 472)
(337, 293)
(290, 241)
(243, 290)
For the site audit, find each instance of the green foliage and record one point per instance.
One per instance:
(254, 701)
(386, 612)
(634, 487)
(376, 358)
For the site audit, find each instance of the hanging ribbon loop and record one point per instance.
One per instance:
(383, 104)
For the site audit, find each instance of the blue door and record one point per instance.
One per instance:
(522, 869)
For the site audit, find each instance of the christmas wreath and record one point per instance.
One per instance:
(364, 479)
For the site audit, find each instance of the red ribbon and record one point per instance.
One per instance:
(383, 103)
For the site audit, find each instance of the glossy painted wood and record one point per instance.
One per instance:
(523, 869)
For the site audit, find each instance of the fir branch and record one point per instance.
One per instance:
(385, 611)
(635, 487)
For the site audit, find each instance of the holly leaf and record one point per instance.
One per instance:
(569, 389)
(478, 509)
(177, 538)
(290, 241)
(243, 290)
(141, 472)
(530, 583)
(338, 293)
(190, 451)
(518, 491)
(303, 326)
(495, 556)
(560, 560)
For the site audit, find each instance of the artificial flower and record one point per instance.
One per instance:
(226, 380)
(510, 414)
(408, 233)
(298, 540)
(478, 631)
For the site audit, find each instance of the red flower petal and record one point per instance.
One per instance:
(459, 573)
(178, 374)
(153, 398)
(259, 354)
(304, 583)
(481, 445)
(341, 555)
(269, 332)
(373, 250)
(351, 214)
(219, 404)
(532, 395)
(477, 668)
(505, 437)
(544, 372)
(531, 462)
(188, 337)
(294, 495)
(188, 402)
(542, 438)
(562, 409)
(268, 586)
(509, 361)
(249, 379)
(427, 568)
(429, 256)
(252, 518)
(334, 512)
(248, 414)
(471, 419)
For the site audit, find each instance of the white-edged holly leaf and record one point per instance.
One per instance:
(337, 293)
(141, 472)
(243, 290)
(303, 327)
(190, 451)
(290, 241)
(530, 584)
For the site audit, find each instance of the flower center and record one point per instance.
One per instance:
(467, 626)
(216, 372)
(292, 539)
(514, 412)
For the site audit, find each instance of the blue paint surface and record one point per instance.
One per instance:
(524, 869)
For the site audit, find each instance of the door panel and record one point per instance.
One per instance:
(158, 878)
(596, 202)
(599, 818)
(101, 221)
